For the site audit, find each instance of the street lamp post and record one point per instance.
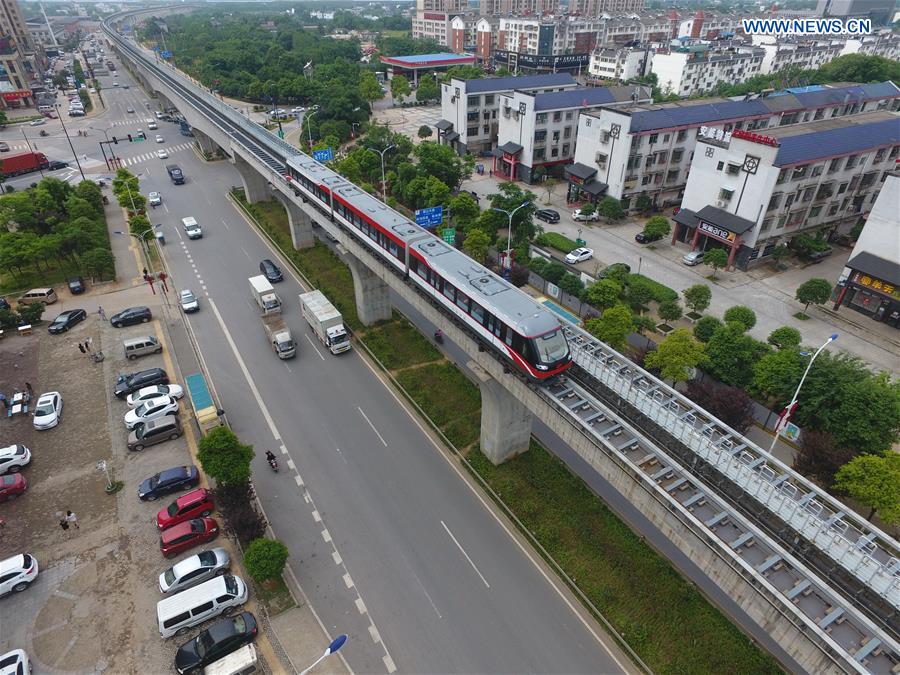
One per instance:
(306, 117)
(28, 143)
(145, 246)
(383, 182)
(71, 147)
(335, 645)
(789, 409)
(510, 215)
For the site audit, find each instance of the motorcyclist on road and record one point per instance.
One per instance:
(270, 456)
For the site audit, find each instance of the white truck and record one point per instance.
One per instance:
(280, 338)
(264, 295)
(325, 320)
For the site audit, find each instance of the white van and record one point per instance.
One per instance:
(240, 662)
(176, 615)
(192, 228)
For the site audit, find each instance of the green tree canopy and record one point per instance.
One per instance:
(613, 327)
(476, 245)
(697, 297)
(784, 337)
(265, 559)
(742, 315)
(224, 457)
(657, 225)
(603, 294)
(776, 375)
(716, 258)
(732, 354)
(427, 90)
(875, 481)
(705, 327)
(676, 355)
(669, 310)
(611, 209)
(400, 86)
(465, 210)
(813, 291)
(509, 197)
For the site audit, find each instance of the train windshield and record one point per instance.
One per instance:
(551, 347)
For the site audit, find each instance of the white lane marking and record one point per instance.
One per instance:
(380, 437)
(246, 254)
(360, 606)
(422, 586)
(459, 546)
(326, 535)
(348, 581)
(225, 224)
(316, 516)
(389, 663)
(374, 634)
(313, 345)
(337, 558)
(166, 208)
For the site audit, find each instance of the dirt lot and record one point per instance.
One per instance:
(93, 607)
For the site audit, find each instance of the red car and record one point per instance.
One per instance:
(191, 505)
(186, 535)
(11, 486)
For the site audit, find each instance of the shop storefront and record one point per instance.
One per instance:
(712, 227)
(506, 158)
(582, 184)
(870, 285)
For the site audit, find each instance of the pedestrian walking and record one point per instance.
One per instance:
(72, 519)
(87, 346)
(102, 313)
(64, 524)
(90, 344)
(81, 348)
(491, 173)
(29, 389)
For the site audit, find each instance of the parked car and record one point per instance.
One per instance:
(157, 390)
(12, 485)
(195, 504)
(128, 384)
(150, 410)
(154, 199)
(55, 165)
(271, 271)
(15, 662)
(17, 573)
(194, 570)
(162, 154)
(220, 639)
(580, 254)
(38, 122)
(642, 238)
(816, 256)
(14, 458)
(66, 320)
(170, 480)
(76, 285)
(692, 258)
(151, 432)
(186, 535)
(131, 316)
(48, 410)
(189, 303)
(4, 147)
(547, 215)
(579, 215)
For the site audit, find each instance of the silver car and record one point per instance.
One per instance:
(194, 570)
(188, 301)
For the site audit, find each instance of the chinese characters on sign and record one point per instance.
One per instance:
(430, 217)
(876, 284)
(717, 232)
(716, 134)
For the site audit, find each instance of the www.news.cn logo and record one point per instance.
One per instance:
(807, 26)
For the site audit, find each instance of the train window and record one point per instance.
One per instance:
(394, 249)
(462, 302)
(508, 338)
(496, 326)
(477, 312)
(448, 290)
(433, 279)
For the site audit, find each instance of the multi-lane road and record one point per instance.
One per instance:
(387, 538)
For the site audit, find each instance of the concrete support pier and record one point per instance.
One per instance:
(205, 142)
(299, 222)
(373, 301)
(256, 187)
(505, 420)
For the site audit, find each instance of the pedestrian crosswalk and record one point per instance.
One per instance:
(137, 159)
(17, 147)
(132, 122)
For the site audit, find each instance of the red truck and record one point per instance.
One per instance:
(24, 162)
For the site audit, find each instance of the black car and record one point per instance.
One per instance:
(271, 270)
(170, 480)
(642, 238)
(131, 316)
(56, 164)
(4, 303)
(76, 285)
(128, 384)
(219, 640)
(66, 320)
(547, 215)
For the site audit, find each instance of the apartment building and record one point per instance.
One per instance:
(598, 7)
(546, 44)
(870, 282)
(431, 20)
(749, 192)
(883, 43)
(880, 11)
(21, 60)
(470, 108)
(806, 55)
(516, 7)
(540, 130)
(620, 63)
(647, 149)
(696, 68)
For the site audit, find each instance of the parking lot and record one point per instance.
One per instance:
(93, 605)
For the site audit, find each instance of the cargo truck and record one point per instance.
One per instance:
(325, 320)
(280, 338)
(205, 409)
(264, 295)
(23, 162)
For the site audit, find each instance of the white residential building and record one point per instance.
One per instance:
(697, 68)
(620, 63)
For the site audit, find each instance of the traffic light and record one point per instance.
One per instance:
(130, 139)
(143, 135)
(115, 140)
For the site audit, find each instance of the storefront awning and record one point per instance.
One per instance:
(580, 171)
(510, 148)
(727, 221)
(443, 125)
(594, 188)
(886, 270)
(686, 217)
(451, 136)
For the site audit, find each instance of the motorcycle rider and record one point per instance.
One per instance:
(270, 456)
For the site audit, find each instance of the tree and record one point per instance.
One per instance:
(571, 285)
(676, 355)
(813, 291)
(643, 324)
(3, 119)
(732, 354)
(554, 272)
(588, 209)
(705, 327)
(98, 262)
(443, 163)
(657, 226)
(613, 327)
(32, 313)
(509, 197)
(669, 310)
(779, 253)
(424, 132)
(603, 294)
(785, 337)
(224, 457)
(742, 315)
(265, 559)
(776, 375)
(715, 258)
(638, 293)
(611, 209)
(697, 297)
(730, 404)
(643, 203)
(427, 90)
(399, 87)
(465, 210)
(819, 457)
(236, 503)
(476, 245)
(875, 481)
(370, 87)
(463, 73)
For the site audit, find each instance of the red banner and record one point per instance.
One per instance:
(16, 95)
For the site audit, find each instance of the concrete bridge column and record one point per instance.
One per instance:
(373, 301)
(256, 187)
(299, 222)
(206, 143)
(505, 420)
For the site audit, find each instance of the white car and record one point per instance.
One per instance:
(298, 109)
(154, 391)
(17, 573)
(13, 458)
(188, 301)
(578, 215)
(48, 410)
(191, 571)
(154, 198)
(15, 662)
(162, 154)
(160, 139)
(150, 410)
(37, 122)
(579, 255)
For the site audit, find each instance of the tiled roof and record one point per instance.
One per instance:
(695, 115)
(490, 84)
(429, 59)
(574, 98)
(836, 96)
(835, 142)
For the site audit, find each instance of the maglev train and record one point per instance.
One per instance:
(521, 330)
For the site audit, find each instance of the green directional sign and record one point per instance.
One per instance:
(449, 235)
(281, 134)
